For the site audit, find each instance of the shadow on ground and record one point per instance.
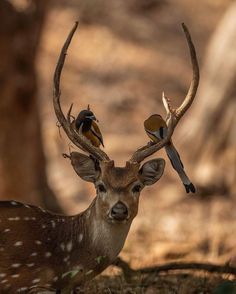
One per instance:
(164, 284)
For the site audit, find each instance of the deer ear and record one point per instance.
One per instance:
(85, 167)
(151, 171)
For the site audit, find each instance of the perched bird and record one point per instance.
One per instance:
(85, 123)
(156, 128)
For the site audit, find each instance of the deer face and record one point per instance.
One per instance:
(118, 188)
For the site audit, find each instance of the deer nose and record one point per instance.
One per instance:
(119, 211)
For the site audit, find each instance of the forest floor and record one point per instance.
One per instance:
(123, 56)
(163, 284)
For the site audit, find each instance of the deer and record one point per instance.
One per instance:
(43, 250)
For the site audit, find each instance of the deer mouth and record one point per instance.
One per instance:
(117, 220)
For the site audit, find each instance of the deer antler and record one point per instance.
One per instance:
(173, 115)
(78, 139)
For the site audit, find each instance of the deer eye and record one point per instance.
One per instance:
(136, 189)
(101, 188)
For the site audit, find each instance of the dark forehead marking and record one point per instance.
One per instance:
(120, 177)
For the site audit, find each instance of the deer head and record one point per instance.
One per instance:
(118, 188)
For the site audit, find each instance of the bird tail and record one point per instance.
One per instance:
(179, 167)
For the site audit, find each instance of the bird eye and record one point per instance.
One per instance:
(136, 189)
(101, 188)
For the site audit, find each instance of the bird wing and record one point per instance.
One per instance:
(158, 134)
(96, 132)
(153, 135)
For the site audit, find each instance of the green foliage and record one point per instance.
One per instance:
(71, 274)
(100, 258)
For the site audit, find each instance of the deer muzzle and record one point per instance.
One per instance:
(119, 212)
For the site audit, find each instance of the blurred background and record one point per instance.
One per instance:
(123, 56)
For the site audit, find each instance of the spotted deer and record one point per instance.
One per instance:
(42, 250)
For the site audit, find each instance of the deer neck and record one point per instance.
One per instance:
(106, 238)
(91, 243)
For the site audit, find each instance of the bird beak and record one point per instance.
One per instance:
(92, 117)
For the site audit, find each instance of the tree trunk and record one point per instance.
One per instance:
(22, 161)
(210, 132)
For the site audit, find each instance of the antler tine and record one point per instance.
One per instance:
(173, 115)
(79, 140)
(179, 112)
(166, 103)
(69, 113)
(195, 78)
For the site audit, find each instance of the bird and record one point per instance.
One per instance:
(156, 128)
(86, 124)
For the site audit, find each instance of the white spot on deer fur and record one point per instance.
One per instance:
(89, 272)
(15, 265)
(34, 254)
(15, 276)
(14, 203)
(30, 264)
(22, 289)
(88, 213)
(62, 245)
(44, 226)
(6, 230)
(53, 224)
(33, 218)
(55, 279)
(38, 242)
(66, 258)
(35, 281)
(81, 237)
(2, 275)
(48, 285)
(18, 243)
(14, 218)
(43, 210)
(26, 218)
(4, 281)
(69, 246)
(48, 254)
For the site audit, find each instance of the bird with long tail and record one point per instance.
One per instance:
(156, 128)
